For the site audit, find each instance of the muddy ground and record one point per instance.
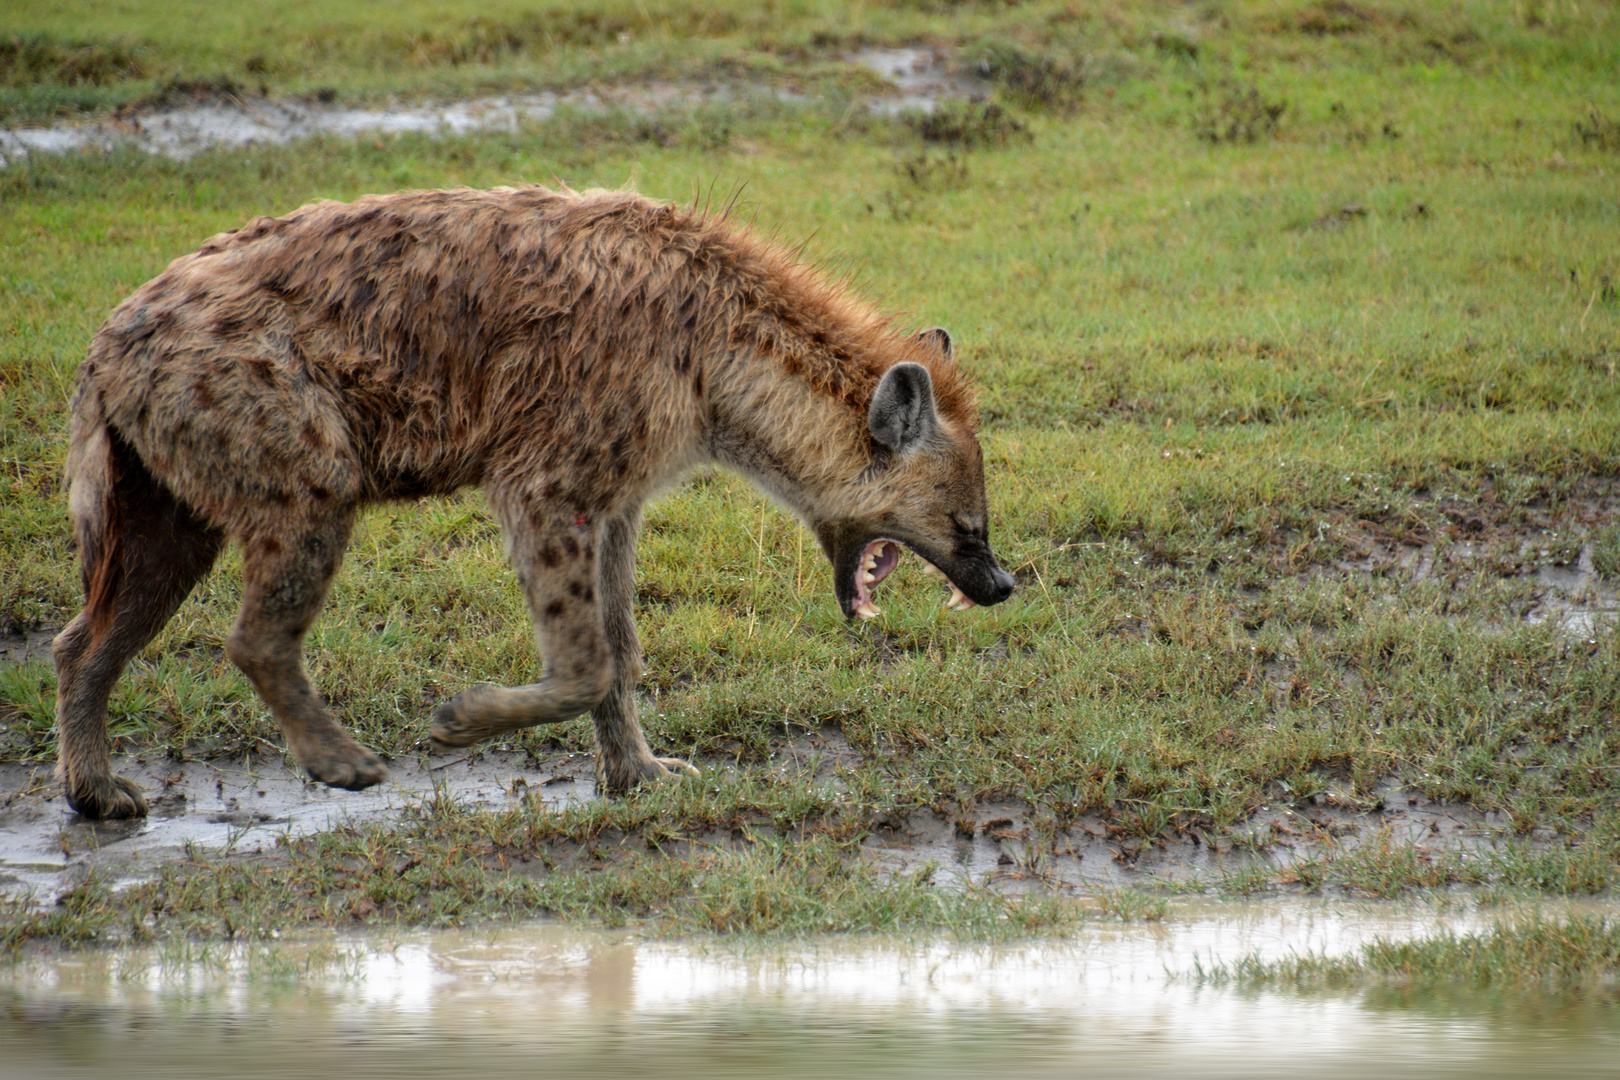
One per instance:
(917, 80)
(245, 807)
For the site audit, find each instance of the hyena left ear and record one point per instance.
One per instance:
(902, 415)
(938, 339)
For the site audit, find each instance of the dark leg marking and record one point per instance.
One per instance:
(568, 631)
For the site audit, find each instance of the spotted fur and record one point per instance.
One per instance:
(571, 353)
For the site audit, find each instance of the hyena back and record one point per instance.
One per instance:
(572, 353)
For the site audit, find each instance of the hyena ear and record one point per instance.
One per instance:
(937, 338)
(902, 415)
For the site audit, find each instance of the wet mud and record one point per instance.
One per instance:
(19, 647)
(1005, 845)
(918, 78)
(232, 807)
(236, 807)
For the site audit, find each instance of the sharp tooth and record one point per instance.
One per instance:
(867, 577)
(869, 562)
(865, 610)
(929, 568)
(957, 601)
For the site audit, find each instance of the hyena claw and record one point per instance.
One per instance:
(353, 773)
(622, 777)
(336, 760)
(678, 767)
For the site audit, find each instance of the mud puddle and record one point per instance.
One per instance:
(1113, 1000)
(223, 806)
(1567, 591)
(1007, 846)
(1574, 598)
(924, 78)
(919, 79)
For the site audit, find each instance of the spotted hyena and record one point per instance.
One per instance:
(572, 353)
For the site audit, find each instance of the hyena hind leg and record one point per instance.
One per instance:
(161, 550)
(623, 758)
(286, 575)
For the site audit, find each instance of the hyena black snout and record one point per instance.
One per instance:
(1001, 584)
(986, 583)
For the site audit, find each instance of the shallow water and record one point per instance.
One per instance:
(235, 806)
(920, 79)
(541, 999)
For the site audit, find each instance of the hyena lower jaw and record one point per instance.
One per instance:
(878, 560)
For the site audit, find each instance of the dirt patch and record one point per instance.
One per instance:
(21, 646)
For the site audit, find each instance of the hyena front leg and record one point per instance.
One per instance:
(286, 575)
(555, 556)
(623, 759)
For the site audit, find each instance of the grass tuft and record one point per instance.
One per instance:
(1534, 954)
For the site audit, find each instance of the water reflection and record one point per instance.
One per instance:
(550, 1001)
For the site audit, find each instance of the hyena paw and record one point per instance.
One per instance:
(106, 797)
(345, 764)
(617, 778)
(452, 728)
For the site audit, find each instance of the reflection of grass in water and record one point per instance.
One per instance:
(1212, 433)
(1535, 953)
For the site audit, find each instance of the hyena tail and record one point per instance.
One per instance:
(94, 464)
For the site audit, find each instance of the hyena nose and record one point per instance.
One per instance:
(1003, 584)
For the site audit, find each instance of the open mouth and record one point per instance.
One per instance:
(877, 560)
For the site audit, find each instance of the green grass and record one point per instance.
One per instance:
(1581, 952)
(1228, 386)
(86, 56)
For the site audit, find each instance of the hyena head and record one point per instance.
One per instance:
(924, 491)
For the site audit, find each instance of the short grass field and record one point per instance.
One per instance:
(1295, 327)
